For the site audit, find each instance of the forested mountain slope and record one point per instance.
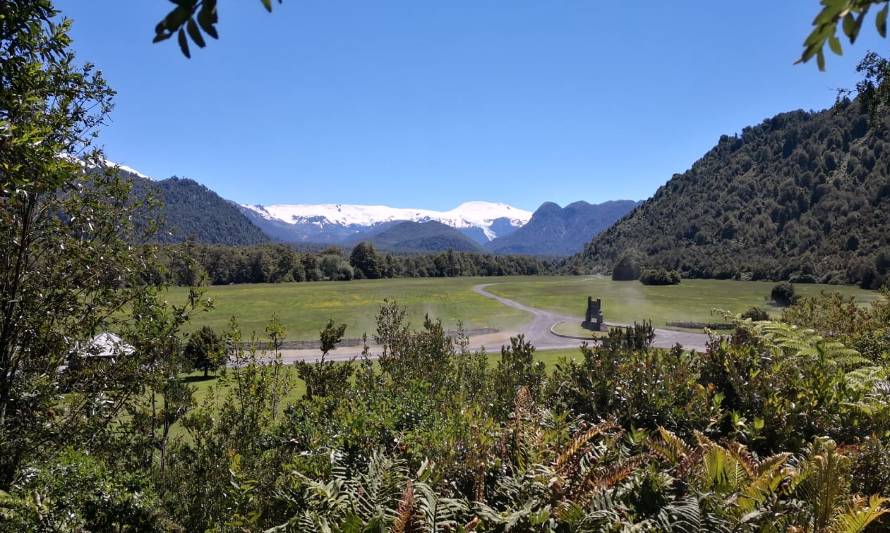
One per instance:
(410, 237)
(804, 195)
(561, 231)
(188, 209)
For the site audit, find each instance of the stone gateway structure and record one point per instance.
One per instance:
(593, 319)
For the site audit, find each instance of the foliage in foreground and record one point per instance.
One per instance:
(780, 427)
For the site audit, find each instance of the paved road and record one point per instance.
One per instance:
(538, 332)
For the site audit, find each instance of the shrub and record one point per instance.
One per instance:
(626, 269)
(783, 294)
(660, 276)
(756, 314)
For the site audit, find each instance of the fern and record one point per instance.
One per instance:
(436, 513)
(669, 447)
(406, 510)
(859, 515)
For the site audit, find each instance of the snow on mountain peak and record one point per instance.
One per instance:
(477, 214)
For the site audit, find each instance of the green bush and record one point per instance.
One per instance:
(755, 314)
(783, 294)
(659, 276)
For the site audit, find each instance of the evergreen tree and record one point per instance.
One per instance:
(366, 260)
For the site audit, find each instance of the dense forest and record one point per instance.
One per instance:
(183, 209)
(408, 236)
(803, 196)
(194, 263)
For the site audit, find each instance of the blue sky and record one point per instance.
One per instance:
(427, 104)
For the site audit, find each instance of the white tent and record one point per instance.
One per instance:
(106, 345)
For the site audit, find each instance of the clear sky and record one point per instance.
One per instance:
(430, 103)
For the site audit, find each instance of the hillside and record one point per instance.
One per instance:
(804, 195)
(189, 209)
(561, 231)
(429, 236)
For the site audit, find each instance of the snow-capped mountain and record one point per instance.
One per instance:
(481, 221)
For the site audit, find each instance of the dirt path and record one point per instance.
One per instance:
(537, 331)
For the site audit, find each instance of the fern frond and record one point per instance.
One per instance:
(405, 511)
(859, 515)
(606, 478)
(669, 447)
(577, 443)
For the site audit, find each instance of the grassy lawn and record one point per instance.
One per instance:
(304, 308)
(627, 301)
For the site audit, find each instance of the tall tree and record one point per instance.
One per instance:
(67, 269)
(364, 259)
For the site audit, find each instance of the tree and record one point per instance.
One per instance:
(364, 259)
(205, 350)
(326, 378)
(67, 268)
(626, 269)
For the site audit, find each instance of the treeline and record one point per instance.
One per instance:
(195, 263)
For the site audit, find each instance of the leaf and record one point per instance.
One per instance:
(268, 5)
(820, 60)
(881, 21)
(207, 19)
(195, 33)
(184, 44)
(176, 18)
(835, 44)
(849, 26)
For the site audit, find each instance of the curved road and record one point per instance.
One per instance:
(537, 332)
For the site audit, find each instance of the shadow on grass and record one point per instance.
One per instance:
(198, 379)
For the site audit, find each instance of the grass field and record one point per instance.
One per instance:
(627, 301)
(304, 308)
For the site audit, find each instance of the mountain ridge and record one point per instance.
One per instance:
(190, 210)
(479, 220)
(408, 236)
(561, 231)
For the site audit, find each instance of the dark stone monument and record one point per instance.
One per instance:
(593, 320)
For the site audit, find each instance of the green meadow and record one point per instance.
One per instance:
(304, 308)
(693, 300)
